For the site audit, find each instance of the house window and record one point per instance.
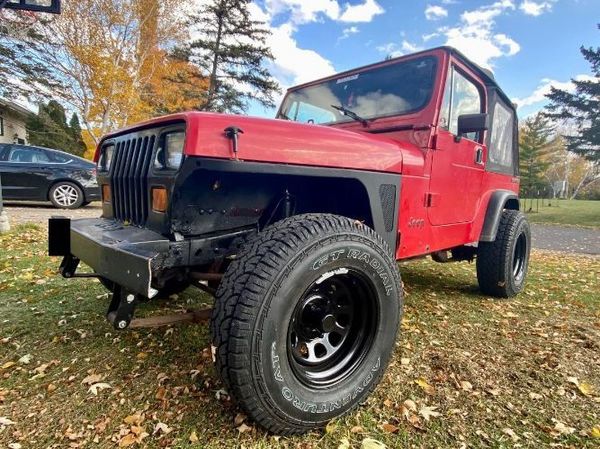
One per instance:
(1, 126)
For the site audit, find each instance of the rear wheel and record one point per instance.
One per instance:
(66, 195)
(502, 264)
(305, 321)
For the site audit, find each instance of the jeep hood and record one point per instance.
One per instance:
(287, 142)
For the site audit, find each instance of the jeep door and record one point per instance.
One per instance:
(458, 164)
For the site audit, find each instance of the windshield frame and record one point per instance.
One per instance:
(437, 63)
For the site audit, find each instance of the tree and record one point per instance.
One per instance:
(231, 52)
(49, 129)
(534, 143)
(19, 70)
(580, 111)
(111, 62)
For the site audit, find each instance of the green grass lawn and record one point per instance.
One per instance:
(467, 371)
(567, 212)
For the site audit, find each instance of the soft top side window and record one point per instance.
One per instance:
(461, 96)
(502, 147)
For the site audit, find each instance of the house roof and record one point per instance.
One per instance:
(15, 107)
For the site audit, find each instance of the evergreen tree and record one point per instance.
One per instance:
(49, 129)
(534, 142)
(581, 108)
(231, 52)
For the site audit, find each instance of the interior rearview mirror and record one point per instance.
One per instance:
(472, 123)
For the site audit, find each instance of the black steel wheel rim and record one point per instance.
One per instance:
(333, 327)
(520, 257)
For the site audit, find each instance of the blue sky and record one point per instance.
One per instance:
(529, 44)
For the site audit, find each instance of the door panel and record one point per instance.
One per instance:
(458, 165)
(456, 178)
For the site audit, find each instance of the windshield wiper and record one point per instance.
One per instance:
(353, 115)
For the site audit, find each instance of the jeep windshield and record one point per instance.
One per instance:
(396, 89)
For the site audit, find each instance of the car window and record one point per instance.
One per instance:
(30, 155)
(60, 158)
(461, 97)
(501, 142)
(4, 149)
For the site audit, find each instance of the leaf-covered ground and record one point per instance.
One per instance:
(468, 371)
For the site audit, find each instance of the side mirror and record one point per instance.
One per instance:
(472, 123)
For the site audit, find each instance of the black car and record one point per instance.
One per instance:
(40, 174)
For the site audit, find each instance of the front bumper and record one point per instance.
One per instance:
(136, 259)
(126, 255)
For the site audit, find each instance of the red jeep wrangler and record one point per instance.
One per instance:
(295, 224)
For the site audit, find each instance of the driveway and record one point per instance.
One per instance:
(39, 213)
(567, 239)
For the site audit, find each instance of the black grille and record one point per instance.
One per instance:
(129, 178)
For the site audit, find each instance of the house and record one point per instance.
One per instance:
(12, 122)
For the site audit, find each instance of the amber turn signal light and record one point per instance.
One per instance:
(159, 199)
(105, 193)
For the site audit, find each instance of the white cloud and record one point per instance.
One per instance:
(295, 65)
(534, 8)
(347, 32)
(435, 12)
(475, 36)
(306, 11)
(539, 94)
(361, 13)
(394, 50)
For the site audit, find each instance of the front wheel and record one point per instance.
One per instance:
(305, 321)
(502, 264)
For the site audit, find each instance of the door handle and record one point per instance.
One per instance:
(479, 156)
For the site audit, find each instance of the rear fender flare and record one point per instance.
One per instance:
(499, 200)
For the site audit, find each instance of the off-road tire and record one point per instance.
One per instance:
(254, 309)
(66, 195)
(499, 272)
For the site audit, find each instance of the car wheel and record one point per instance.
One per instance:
(502, 264)
(305, 321)
(66, 195)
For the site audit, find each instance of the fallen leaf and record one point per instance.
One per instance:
(14, 446)
(98, 387)
(595, 433)
(162, 428)
(410, 405)
(8, 365)
(586, 389)
(244, 428)
(128, 440)
(92, 379)
(356, 429)
(4, 421)
(134, 420)
(535, 396)
(428, 389)
(239, 419)
(344, 444)
(405, 361)
(511, 433)
(466, 386)
(563, 429)
(389, 428)
(193, 437)
(370, 443)
(161, 393)
(26, 359)
(429, 412)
